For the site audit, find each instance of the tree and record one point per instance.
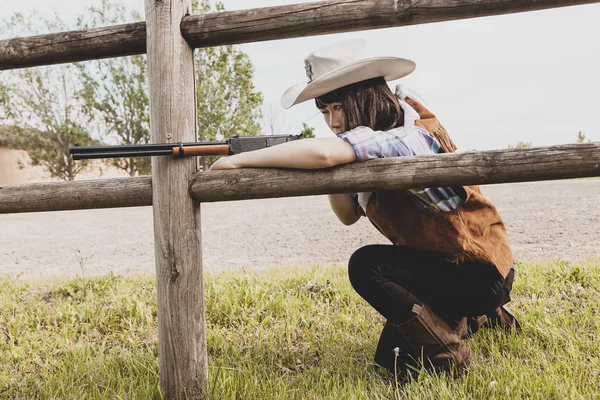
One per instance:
(110, 97)
(115, 91)
(46, 120)
(581, 137)
(227, 102)
(4, 99)
(520, 145)
(307, 131)
(42, 108)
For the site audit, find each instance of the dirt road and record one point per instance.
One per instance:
(558, 219)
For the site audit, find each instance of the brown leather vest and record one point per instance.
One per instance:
(474, 231)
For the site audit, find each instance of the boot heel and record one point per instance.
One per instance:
(433, 341)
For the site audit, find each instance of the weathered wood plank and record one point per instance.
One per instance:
(325, 17)
(63, 47)
(78, 195)
(470, 168)
(259, 24)
(177, 241)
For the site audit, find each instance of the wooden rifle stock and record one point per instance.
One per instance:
(199, 151)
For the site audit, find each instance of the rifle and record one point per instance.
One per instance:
(233, 145)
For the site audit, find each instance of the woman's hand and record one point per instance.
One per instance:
(224, 163)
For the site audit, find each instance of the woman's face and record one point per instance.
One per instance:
(335, 118)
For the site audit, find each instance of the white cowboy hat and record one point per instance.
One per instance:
(340, 64)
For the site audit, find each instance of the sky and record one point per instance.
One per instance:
(492, 81)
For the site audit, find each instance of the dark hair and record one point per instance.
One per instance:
(367, 103)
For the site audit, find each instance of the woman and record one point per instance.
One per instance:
(450, 267)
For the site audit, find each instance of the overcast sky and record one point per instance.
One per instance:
(493, 81)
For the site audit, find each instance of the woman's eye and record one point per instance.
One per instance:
(337, 107)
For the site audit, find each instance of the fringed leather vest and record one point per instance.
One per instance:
(474, 231)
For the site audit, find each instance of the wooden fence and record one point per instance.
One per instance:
(176, 189)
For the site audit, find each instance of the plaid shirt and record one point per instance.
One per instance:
(398, 142)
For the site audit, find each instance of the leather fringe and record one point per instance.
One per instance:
(431, 124)
(441, 135)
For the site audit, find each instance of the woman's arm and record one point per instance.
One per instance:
(312, 153)
(344, 208)
(303, 154)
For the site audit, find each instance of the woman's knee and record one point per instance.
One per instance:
(362, 263)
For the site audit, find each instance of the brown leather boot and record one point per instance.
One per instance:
(434, 342)
(460, 327)
(503, 318)
(476, 323)
(386, 355)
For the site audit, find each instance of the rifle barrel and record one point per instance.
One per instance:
(122, 154)
(134, 147)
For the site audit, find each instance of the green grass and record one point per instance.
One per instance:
(289, 333)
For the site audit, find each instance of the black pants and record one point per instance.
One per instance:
(393, 278)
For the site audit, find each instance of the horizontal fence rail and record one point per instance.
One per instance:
(258, 24)
(472, 168)
(79, 195)
(63, 47)
(335, 16)
(455, 169)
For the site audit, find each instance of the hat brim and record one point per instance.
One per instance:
(390, 68)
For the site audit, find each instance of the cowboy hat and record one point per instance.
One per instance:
(334, 66)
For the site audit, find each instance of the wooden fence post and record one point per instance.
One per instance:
(178, 250)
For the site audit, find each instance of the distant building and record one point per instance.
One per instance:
(11, 160)
(10, 173)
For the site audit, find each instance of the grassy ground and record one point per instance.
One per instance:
(289, 334)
